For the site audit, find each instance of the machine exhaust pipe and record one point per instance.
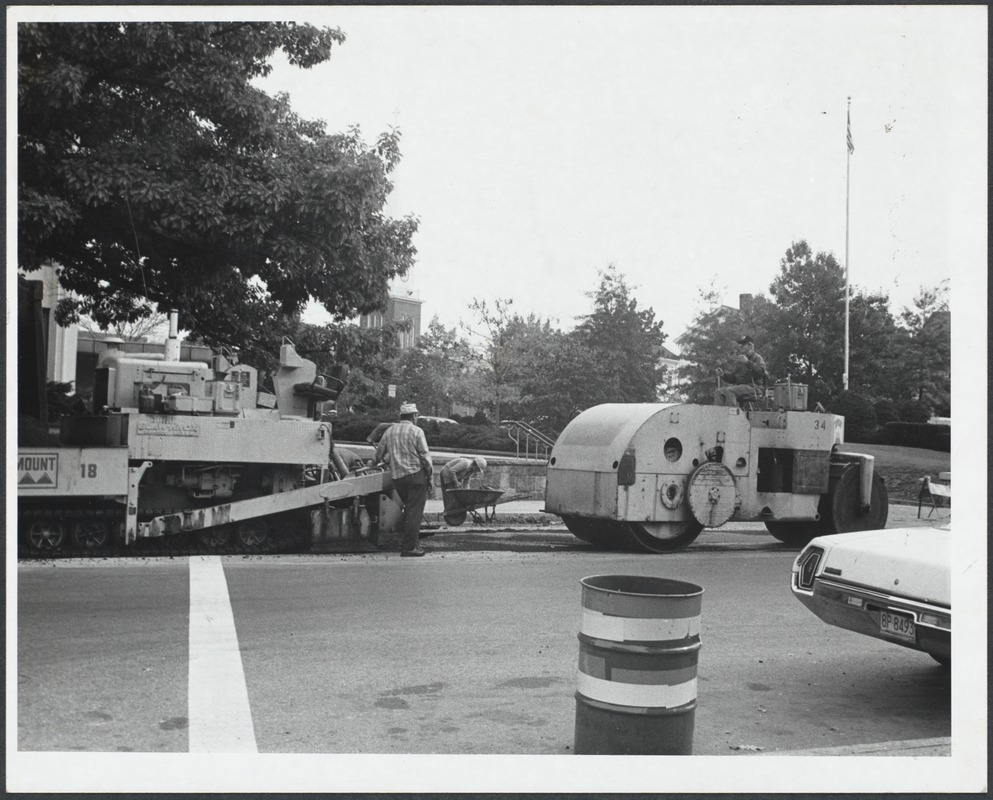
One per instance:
(172, 343)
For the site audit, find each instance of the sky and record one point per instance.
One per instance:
(687, 146)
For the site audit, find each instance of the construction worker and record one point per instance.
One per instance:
(456, 474)
(411, 469)
(749, 367)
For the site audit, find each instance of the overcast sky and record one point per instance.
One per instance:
(684, 145)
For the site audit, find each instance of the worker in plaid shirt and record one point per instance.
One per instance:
(410, 465)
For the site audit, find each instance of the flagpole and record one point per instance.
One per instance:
(848, 173)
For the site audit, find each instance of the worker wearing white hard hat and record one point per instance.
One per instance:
(457, 473)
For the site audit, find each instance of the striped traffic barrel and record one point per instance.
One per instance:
(638, 645)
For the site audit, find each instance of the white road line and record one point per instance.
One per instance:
(219, 711)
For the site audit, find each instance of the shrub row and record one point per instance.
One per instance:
(918, 434)
(355, 428)
(885, 422)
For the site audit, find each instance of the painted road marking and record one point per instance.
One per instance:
(219, 711)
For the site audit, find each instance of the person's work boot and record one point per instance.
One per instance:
(415, 553)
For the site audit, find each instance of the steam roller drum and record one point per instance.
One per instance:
(795, 533)
(841, 510)
(605, 534)
(663, 537)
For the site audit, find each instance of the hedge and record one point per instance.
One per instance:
(918, 434)
(355, 428)
(860, 416)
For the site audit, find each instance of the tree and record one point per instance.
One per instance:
(434, 371)
(807, 334)
(709, 342)
(152, 171)
(154, 326)
(875, 360)
(549, 368)
(625, 341)
(928, 349)
(497, 359)
(800, 334)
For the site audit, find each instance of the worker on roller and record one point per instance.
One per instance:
(749, 368)
(456, 474)
(406, 448)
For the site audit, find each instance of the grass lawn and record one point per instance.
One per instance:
(903, 468)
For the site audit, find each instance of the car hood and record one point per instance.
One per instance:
(910, 562)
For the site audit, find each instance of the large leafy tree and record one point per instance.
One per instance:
(875, 350)
(625, 342)
(153, 171)
(927, 350)
(807, 332)
(807, 335)
(709, 341)
(498, 367)
(548, 367)
(433, 373)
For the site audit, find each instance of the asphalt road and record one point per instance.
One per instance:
(461, 652)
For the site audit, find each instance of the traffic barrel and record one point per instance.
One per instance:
(638, 646)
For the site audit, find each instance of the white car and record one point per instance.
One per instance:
(892, 584)
(439, 420)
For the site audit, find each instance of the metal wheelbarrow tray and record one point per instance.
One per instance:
(470, 501)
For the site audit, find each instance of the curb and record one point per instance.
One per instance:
(941, 746)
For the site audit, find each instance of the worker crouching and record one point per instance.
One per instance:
(457, 474)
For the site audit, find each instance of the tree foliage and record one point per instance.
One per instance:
(434, 371)
(550, 372)
(625, 342)
(709, 342)
(800, 333)
(875, 346)
(927, 350)
(152, 170)
(499, 356)
(807, 336)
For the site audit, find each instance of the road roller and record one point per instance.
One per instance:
(651, 476)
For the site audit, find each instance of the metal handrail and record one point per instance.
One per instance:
(542, 443)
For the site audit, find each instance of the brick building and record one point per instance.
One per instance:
(399, 308)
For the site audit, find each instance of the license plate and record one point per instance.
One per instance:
(899, 626)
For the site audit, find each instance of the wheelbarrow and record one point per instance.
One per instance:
(472, 501)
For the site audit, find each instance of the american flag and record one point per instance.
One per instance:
(851, 147)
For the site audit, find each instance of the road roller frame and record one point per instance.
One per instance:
(648, 476)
